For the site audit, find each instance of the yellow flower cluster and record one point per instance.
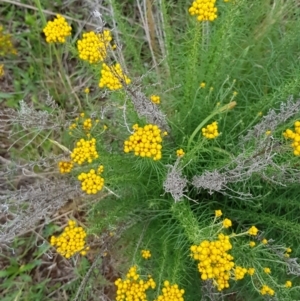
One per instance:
(113, 77)
(239, 273)
(85, 150)
(288, 284)
(2, 70)
(87, 124)
(146, 254)
(171, 293)
(295, 136)
(133, 289)
(215, 262)
(93, 46)
(253, 231)
(205, 10)
(57, 30)
(180, 152)
(211, 131)
(266, 290)
(91, 182)
(155, 99)
(71, 241)
(6, 46)
(267, 270)
(65, 166)
(145, 142)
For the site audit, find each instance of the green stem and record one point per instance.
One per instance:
(39, 6)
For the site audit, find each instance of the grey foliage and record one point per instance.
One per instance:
(257, 158)
(30, 118)
(272, 120)
(293, 267)
(145, 108)
(23, 208)
(175, 183)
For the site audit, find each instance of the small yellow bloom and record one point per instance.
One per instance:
(253, 231)
(180, 152)
(6, 45)
(260, 114)
(202, 85)
(268, 133)
(252, 244)
(251, 271)
(235, 93)
(264, 241)
(227, 223)
(86, 90)
(289, 250)
(288, 284)
(155, 99)
(218, 213)
(267, 270)
(146, 254)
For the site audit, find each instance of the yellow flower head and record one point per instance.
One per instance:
(214, 261)
(202, 85)
(155, 99)
(264, 241)
(253, 231)
(266, 290)
(65, 166)
(6, 45)
(146, 254)
(91, 182)
(57, 30)
(204, 10)
(211, 131)
(267, 270)
(180, 152)
(85, 150)
(288, 284)
(227, 223)
(218, 213)
(251, 271)
(86, 90)
(71, 241)
(252, 244)
(145, 142)
(113, 77)
(239, 272)
(93, 46)
(289, 250)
